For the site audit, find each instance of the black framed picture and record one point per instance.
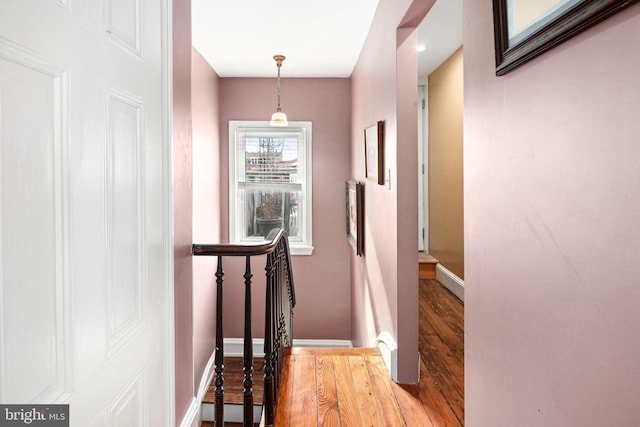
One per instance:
(355, 215)
(523, 29)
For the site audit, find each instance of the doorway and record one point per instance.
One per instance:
(440, 216)
(440, 103)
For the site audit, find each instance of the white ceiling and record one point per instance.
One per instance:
(441, 34)
(238, 38)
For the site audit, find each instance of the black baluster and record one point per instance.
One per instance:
(248, 349)
(269, 392)
(278, 344)
(219, 358)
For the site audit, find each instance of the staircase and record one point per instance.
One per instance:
(279, 303)
(294, 386)
(427, 266)
(234, 392)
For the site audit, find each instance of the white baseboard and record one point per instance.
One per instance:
(234, 347)
(323, 343)
(450, 281)
(193, 417)
(389, 350)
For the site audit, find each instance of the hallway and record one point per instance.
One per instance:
(438, 400)
(441, 387)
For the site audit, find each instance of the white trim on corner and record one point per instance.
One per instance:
(168, 328)
(207, 376)
(193, 417)
(450, 281)
(389, 349)
(234, 346)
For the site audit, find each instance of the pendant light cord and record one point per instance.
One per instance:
(279, 87)
(279, 59)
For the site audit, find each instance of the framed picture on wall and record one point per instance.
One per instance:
(355, 215)
(523, 29)
(374, 152)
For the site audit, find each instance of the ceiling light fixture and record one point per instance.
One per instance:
(279, 118)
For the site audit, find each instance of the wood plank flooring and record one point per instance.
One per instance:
(351, 387)
(337, 387)
(441, 346)
(440, 394)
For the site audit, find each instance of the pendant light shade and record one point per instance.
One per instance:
(279, 118)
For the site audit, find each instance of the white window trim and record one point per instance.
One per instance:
(305, 247)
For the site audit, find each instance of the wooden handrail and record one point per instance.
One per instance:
(229, 249)
(279, 302)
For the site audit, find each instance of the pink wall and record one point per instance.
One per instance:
(321, 280)
(206, 205)
(384, 87)
(552, 230)
(182, 205)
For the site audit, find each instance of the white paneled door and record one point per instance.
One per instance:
(85, 242)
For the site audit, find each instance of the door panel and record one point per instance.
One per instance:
(84, 288)
(31, 221)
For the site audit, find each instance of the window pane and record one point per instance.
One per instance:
(267, 209)
(272, 160)
(271, 157)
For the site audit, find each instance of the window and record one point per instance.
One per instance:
(270, 182)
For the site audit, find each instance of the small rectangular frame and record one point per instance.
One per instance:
(355, 215)
(374, 152)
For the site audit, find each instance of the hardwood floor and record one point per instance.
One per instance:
(441, 387)
(336, 387)
(351, 387)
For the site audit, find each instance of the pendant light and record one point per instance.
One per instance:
(279, 118)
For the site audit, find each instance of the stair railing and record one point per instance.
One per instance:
(279, 299)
